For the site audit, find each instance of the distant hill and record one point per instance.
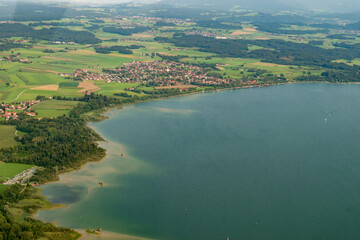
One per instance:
(316, 5)
(257, 4)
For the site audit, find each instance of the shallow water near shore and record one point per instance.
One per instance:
(261, 163)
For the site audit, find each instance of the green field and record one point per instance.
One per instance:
(54, 108)
(9, 170)
(69, 84)
(7, 135)
(3, 187)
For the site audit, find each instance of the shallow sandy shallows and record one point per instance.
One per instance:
(108, 236)
(47, 88)
(174, 111)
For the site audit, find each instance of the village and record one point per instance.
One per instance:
(11, 111)
(207, 34)
(155, 20)
(156, 73)
(15, 58)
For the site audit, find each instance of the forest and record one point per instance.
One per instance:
(125, 31)
(274, 50)
(57, 144)
(8, 30)
(278, 29)
(30, 228)
(119, 49)
(338, 76)
(9, 45)
(56, 24)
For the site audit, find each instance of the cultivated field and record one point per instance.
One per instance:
(9, 170)
(3, 187)
(54, 108)
(7, 135)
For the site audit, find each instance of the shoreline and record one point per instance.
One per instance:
(100, 117)
(108, 235)
(89, 179)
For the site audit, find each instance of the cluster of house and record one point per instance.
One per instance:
(15, 40)
(11, 111)
(64, 43)
(204, 33)
(85, 75)
(175, 21)
(179, 49)
(161, 73)
(126, 21)
(158, 73)
(21, 178)
(15, 58)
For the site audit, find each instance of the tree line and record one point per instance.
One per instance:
(30, 228)
(8, 30)
(274, 50)
(126, 31)
(119, 49)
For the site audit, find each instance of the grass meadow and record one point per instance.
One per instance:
(54, 108)
(7, 136)
(9, 170)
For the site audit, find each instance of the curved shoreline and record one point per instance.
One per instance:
(90, 182)
(113, 235)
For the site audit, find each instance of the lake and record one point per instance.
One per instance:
(281, 162)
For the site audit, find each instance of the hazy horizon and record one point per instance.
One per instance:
(315, 5)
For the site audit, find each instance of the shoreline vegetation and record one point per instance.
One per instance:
(24, 202)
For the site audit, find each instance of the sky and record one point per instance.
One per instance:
(332, 5)
(329, 5)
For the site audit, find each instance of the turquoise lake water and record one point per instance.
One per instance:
(281, 162)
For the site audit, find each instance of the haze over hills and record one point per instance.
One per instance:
(318, 5)
(260, 4)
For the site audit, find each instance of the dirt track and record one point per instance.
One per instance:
(39, 70)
